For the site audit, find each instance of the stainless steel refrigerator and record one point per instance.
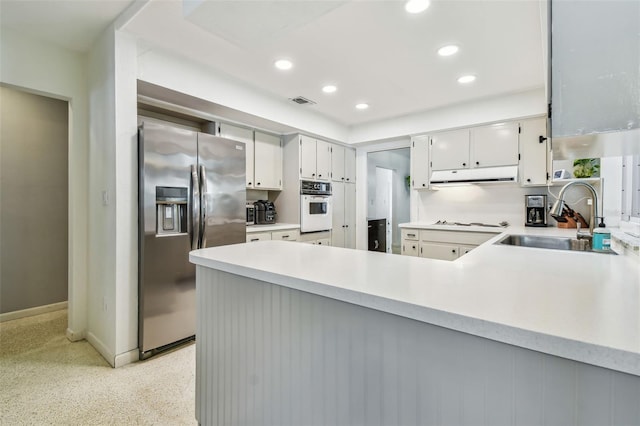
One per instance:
(191, 195)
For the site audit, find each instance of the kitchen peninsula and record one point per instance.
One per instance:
(301, 334)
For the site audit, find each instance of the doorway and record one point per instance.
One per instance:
(33, 203)
(388, 196)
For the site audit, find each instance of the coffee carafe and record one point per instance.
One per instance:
(535, 210)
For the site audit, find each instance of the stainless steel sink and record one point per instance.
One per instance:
(552, 243)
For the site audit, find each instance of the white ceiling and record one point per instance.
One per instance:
(372, 50)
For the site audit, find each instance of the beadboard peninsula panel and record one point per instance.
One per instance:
(270, 355)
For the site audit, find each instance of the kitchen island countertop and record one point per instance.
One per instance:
(576, 305)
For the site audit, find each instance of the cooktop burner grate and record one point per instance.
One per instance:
(502, 224)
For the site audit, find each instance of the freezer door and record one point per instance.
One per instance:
(222, 190)
(167, 156)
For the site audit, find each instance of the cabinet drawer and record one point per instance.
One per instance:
(258, 236)
(439, 251)
(410, 234)
(410, 248)
(289, 235)
(456, 237)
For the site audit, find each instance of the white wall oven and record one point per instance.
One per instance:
(315, 206)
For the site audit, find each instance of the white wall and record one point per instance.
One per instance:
(185, 76)
(520, 105)
(113, 302)
(49, 70)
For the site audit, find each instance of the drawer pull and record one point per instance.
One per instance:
(255, 239)
(285, 236)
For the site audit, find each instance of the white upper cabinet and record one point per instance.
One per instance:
(263, 156)
(268, 161)
(533, 152)
(315, 159)
(307, 157)
(349, 165)
(420, 162)
(323, 160)
(494, 145)
(450, 150)
(343, 164)
(242, 135)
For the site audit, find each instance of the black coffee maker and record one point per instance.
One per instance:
(265, 212)
(535, 210)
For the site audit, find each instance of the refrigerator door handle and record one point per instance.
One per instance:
(203, 206)
(195, 208)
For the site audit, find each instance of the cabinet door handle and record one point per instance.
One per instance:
(453, 251)
(343, 179)
(420, 250)
(319, 175)
(424, 184)
(464, 164)
(313, 174)
(258, 183)
(414, 247)
(528, 180)
(477, 163)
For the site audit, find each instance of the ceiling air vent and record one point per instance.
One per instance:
(300, 100)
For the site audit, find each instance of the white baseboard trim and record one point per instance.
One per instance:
(127, 358)
(75, 336)
(101, 348)
(9, 316)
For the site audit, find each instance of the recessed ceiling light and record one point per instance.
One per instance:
(283, 64)
(466, 79)
(416, 6)
(362, 106)
(449, 50)
(329, 88)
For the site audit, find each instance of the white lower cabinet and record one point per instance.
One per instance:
(322, 238)
(439, 251)
(286, 235)
(258, 236)
(437, 244)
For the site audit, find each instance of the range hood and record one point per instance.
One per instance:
(503, 174)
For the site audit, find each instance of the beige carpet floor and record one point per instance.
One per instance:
(47, 380)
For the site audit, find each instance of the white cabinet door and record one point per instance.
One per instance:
(350, 165)
(420, 162)
(337, 164)
(350, 215)
(323, 160)
(466, 249)
(307, 157)
(258, 236)
(410, 248)
(450, 150)
(338, 229)
(439, 251)
(242, 135)
(495, 145)
(288, 235)
(268, 164)
(533, 152)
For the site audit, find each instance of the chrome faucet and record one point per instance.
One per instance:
(556, 210)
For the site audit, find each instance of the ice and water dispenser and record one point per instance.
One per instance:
(171, 210)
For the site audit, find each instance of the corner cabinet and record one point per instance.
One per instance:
(264, 156)
(534, 152)
(440, 244)
(420, 162)
(315, 159)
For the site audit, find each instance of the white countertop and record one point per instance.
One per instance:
(577, 305)
(270, 228)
